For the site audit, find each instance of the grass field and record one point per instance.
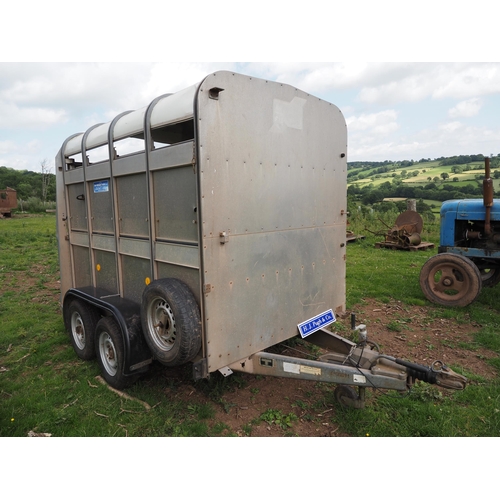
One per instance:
(44, 388)
(418, 174)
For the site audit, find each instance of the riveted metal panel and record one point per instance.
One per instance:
(102, 242)
(80, 239)
(137, 248)
(127, 165)
(174, 195)
(73, 176)
(77, 206)
(98, 171)
(135, 272)
(272, 183)
(133, 210)
(81, 260)
(101, 206)
(172, 156)
(105, 273)
(182, 255)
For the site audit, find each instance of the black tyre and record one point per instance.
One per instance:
(81, 321)
(450, 280)
(171, 322)
(346, 396)
(110, 353)
(490, 277)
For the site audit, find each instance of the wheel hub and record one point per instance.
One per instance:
(163, 324)
(110, 355)
(78, 330)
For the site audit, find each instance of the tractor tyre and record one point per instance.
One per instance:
(450, 280)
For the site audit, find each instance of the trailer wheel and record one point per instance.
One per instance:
(346, 396)
(450, 280)
(171, 321)
(81, 321)
(110, 353)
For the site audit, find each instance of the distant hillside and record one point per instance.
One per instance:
(29, 184)
(439, 179)
(368, 181)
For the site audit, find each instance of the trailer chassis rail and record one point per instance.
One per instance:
(350, 364)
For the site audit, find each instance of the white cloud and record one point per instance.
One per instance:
(450, 139)
(7, 147)
(381, 123)
(467, 108)
(451, 127)
(382, 151)
(400, 82)
(13, 116)
(71, 84)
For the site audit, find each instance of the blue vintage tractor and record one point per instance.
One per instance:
(468, 256)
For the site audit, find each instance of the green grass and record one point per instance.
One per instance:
(45, 388)
(382, 273)
(426, 412)
(426, 169)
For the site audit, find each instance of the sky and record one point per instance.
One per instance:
(394, 111)
(62, 72)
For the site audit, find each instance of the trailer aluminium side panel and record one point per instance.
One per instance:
(205, 228)
(272, 176)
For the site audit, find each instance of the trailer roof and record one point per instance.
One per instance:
(166, 109)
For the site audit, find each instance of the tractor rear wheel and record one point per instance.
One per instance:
(450, 280)
(490, 276)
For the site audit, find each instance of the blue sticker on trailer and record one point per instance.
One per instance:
(101, 186)
(314, 324)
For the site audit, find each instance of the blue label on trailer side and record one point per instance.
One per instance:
(101, 186)
(314, 324)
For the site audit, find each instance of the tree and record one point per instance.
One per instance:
(46, 178)
(445, 175)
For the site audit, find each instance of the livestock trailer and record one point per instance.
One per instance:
(206, 228)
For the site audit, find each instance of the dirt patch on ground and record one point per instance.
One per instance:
(410, 332)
